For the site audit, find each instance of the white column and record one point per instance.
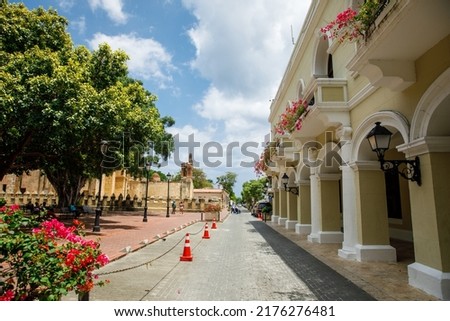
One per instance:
(292, 209)
(283, 207)
(350, 227)
(371, 214)
(316, 209)
(275, 206)
(303, 226)
(430, 205)
(330, 216)
(348, 250)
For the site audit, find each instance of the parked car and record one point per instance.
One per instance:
(258, 208)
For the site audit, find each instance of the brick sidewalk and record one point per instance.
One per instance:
(124, 232)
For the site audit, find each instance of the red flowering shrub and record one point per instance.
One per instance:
(44, 261)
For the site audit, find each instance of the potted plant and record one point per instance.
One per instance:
(267, 212)
(212, 211)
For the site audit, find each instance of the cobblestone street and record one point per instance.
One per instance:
(236, 263)
(244, 259)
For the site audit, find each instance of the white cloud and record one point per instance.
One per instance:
(113, 8)
(149, 60)
(79, 25)
(243, 48)
(66, 4)
(239, 114)
(252, 39)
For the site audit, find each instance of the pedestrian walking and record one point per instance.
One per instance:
(174, 206)
(182, 207)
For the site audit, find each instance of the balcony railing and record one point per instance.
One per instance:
(372, 25)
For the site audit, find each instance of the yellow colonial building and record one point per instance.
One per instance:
(327, 181)
(119, 191)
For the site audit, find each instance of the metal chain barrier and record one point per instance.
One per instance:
(152, 260)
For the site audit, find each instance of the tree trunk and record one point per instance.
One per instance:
(67, 186)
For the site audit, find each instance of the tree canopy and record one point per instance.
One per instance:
(200, 179)
(60, 102)
(227, 181)
(253, 191)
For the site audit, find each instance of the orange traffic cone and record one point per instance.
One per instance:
(187, 255)
(214, 226)
(206, 233)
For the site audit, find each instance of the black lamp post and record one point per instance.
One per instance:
(379, 139)
(98, 210)
(168, 193)
(147, 171)
(291, 189)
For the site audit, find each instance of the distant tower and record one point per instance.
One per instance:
(187, 184)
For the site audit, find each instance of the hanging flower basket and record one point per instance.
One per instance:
(265, 158)
(351, 26)
(292, 118)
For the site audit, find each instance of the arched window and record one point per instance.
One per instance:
(330, 66)
(300, 88)
(323, 61)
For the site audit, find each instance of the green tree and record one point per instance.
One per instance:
(227, 181)
(253, 191)
(31, 43)
(120, 110)
(200, 179)
(60, 103)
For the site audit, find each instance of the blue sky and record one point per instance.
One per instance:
(213, 64)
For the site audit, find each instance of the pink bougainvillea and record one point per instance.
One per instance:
(47, 261)
(292, 118)
(350, 25)
(345, 27)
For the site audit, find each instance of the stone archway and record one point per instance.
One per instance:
(430, 117)
(378, 221)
